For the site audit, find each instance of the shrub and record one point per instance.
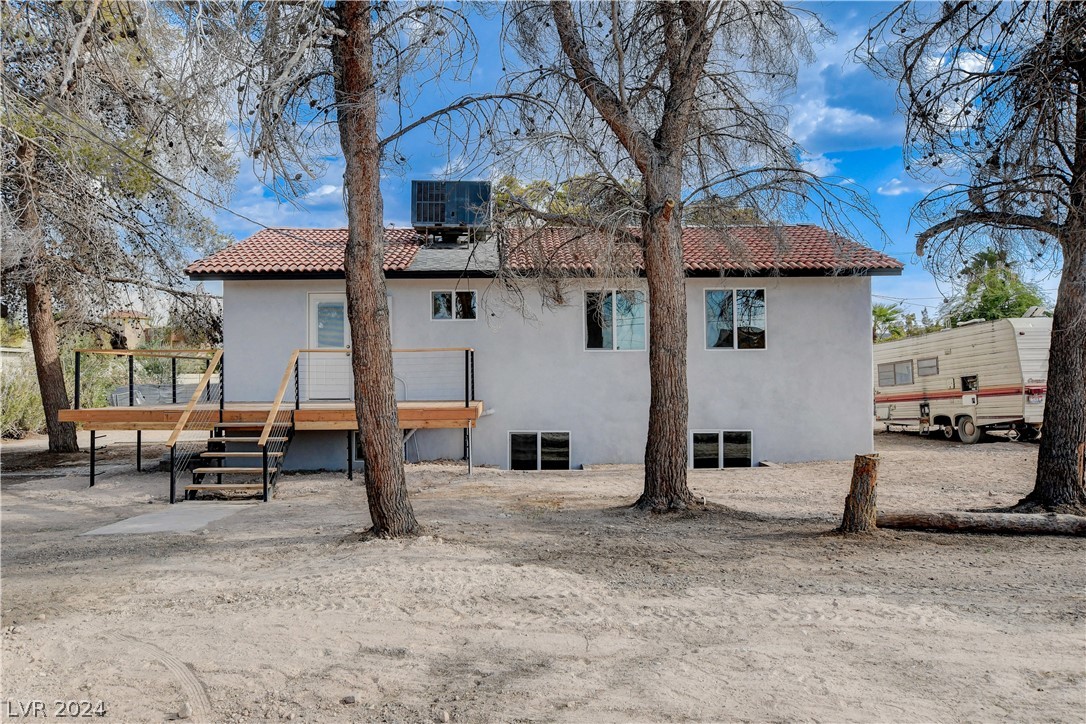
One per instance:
(20, 401)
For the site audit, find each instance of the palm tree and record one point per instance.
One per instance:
(886, 322)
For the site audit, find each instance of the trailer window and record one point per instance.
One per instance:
(970, 383)
(886, 375)
(927, 367)
(903, 373)
(896, 373)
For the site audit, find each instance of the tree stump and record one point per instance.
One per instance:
(860, 504)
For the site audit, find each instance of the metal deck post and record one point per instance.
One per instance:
(265, 456)
(173, 478)
(173, 377)
(131, 380)
(92, 435)
(139, 451)
(470, 462)
(77, 385)
(350, 456)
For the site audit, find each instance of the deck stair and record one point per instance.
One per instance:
(232, 461)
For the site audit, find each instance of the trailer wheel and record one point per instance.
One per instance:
(968, 432)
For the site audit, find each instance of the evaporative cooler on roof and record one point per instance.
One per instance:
(450, 209)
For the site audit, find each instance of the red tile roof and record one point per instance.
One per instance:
(749, 249)
(742, 249)
(300, 251)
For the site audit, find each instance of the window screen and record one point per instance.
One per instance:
(441, 305)
(750, 318)
(719, 319)
(598, 319)
(465, 305)
(554, 451)
(524, 451)
(927, 367)
(706, 450)
(737, 449)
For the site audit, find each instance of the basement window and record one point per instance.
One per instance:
(615, 320)
(715, 449)
(453, 305)
(539, 451)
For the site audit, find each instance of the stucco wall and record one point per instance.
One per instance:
(806, 396)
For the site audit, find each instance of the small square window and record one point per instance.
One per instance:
(735, 319)
(459, 305)
(927, 367)
(886, 375)
(615, 320)
(706, 452)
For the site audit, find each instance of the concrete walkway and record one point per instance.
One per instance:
(178, 518)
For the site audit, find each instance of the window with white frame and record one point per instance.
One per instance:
(735, 319)
(453, 305)
(896, 373)
(714, 449)
(539, 451)
(615, 320)
(927, 367)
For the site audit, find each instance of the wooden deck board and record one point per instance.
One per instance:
(324, 415)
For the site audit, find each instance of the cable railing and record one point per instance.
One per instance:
(429, 374)
(203, 411)
(137, 377)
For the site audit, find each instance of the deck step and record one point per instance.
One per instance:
(228, 471)
(230, 438)
(227, 486)
(239, 454)
(241, 425)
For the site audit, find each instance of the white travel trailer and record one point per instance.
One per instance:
(978, 376)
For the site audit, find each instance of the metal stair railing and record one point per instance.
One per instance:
(203, 411)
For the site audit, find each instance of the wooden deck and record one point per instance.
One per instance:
(422, 414)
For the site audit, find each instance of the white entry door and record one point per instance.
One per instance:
(329, 373)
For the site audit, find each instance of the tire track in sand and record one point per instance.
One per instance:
(195, 692)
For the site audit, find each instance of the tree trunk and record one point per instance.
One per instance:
(860, 508)
(669, 405)
(43, 338)
(1059, 485)
(961, 522)
(39, 315)
(367, 303)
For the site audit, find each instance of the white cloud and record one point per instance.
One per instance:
(897, 187)
(819, 164)
(326, 190)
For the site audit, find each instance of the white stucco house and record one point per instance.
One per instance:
(779, 346)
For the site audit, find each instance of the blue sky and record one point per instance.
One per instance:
(844, 117)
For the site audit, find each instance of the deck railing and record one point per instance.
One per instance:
(205, 408)
(147, 376)
(325, 375)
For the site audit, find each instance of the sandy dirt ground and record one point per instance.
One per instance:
(539, 597)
